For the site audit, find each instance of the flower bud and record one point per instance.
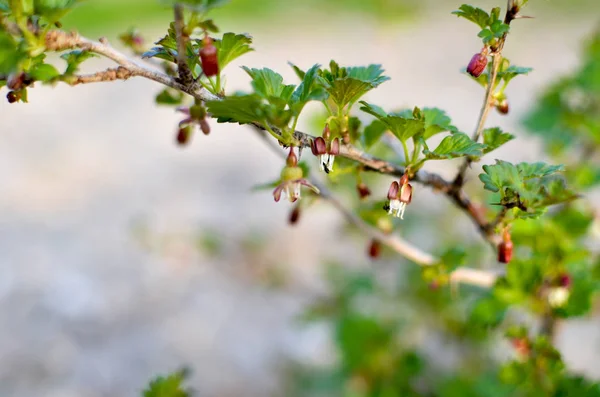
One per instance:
(209, 58)
(505, 248)
(502, 107)
(326, 132)
(374, 249)
(477, 64)
(15, 81)
(334, 147)
(205, 127)
(292, 160)
(521, 346)
(564, 280)
(393, 191)
(183, 135)
(318, 146)
(12, 97)
(363, 191)
(294, 215)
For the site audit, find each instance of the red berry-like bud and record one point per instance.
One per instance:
(502, 107)
(292, 160)
(564, 280)
(294, 215)
(205, 127)
(12, 97)
(477, 64)
(363, 191)
(374, 249)
(505, 248)
(209, 58)
(183, 135)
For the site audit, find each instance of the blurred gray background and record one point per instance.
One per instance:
(123, 255)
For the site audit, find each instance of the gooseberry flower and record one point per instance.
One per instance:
(400, 195)
(292, 180)
(326, 150)
(505, 248)
(559, 294)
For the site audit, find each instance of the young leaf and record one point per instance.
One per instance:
(44, 72)
(53, 10)
(473, 14)
(169, 96)
(10, 54)
(169, 386)
(453, 146)
(308, 90)
(513, 71)
(436, 121)
(372, 133)
(401, 127)
(347, 85)
(232, 46)
(269, 84)
(76, 58)
(161, 53)
(242, 109)
(493, 138)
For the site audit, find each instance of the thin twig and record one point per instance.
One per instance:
(120, 73)
(185, 74)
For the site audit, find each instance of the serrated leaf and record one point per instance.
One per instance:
(531, 187)
(53, 10)
(44, 72)
(493, 138)
(473, 14)
(76, 58)
(453, 146)
(373, 133)
(436, 121)
(403, 128)
(299, 72)
(269, 84)
(231, 47)
(346, 85)
(10, 54)
(161, 53)
(308, 90)
(169, 386)
(242, 109)
(513, 71)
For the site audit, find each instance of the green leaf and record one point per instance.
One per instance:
(453, 146)
(372, 133)
(347, 85)
(169, 96)
(53, 10)
(242, 109)
(513, 71)
(200, 6)
(299, 72)
(436, 121)
(308, 90)
(4, 7)
(473, 14)
(493, 138)
(169, 386)
(161, 53)
(231, 47)
(10, 54)
(531, 187)
(76, 58)
(403, 128)
(269, 84)
(44, 72)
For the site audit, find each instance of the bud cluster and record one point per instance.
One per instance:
(326, 149)
(400, 195)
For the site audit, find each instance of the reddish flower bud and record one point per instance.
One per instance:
(292, 160)
(374, 249)
(318, 146)
(477, 64)
(209, 58)
(521, 346)
(505, 248)
(205, 127)
(564, 280)
(406, 193)
(326, 132)
(335, 147)
(363, 191)
(502, 107)
(183, 135)
(12, 97)
(393, 191)
(15, 81)
(294, 215)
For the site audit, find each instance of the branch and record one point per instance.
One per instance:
(463, 275)
(120, 73)
(185, 74)
(57, 40)
(512, 11)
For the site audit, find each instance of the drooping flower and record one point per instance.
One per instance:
(400, 195)
(325, 149)
(292, 179)
(209, 58)
(505, 248)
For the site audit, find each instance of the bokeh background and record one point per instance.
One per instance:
(124, 256)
